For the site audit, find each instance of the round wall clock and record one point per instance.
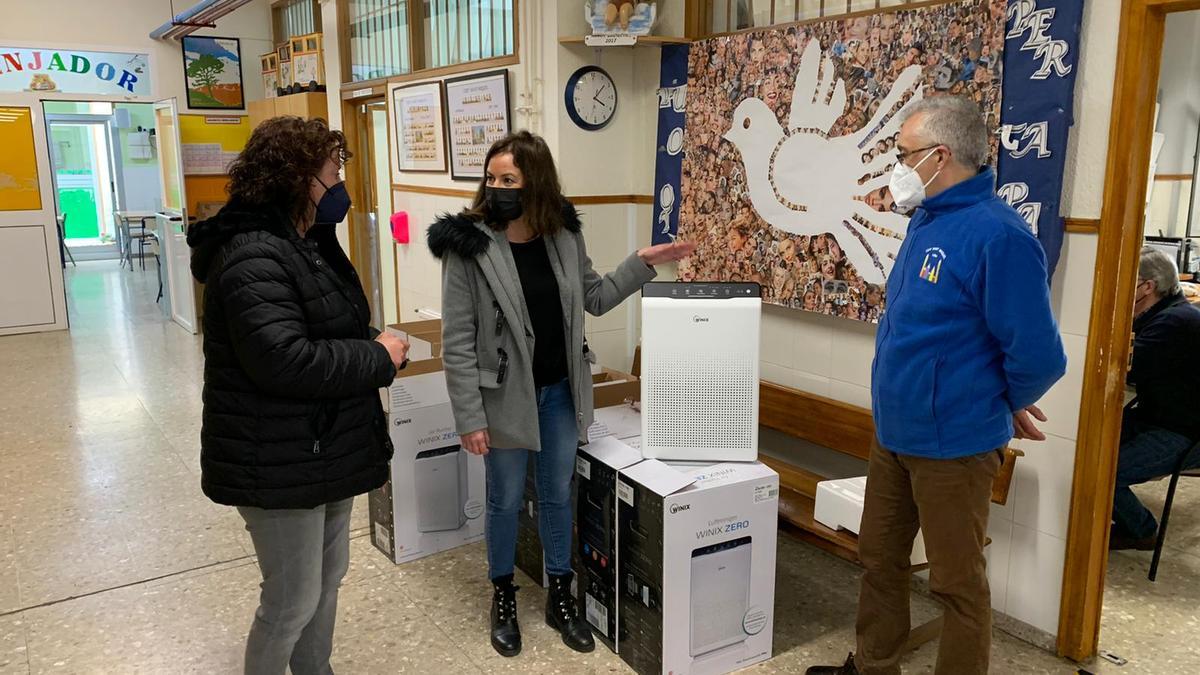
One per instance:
(591, 98)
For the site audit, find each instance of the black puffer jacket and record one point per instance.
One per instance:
(292, 416)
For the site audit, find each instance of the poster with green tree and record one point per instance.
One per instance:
(213, 68)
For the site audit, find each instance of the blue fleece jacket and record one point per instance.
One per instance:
(968, 336)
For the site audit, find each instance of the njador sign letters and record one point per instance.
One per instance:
(71, 71)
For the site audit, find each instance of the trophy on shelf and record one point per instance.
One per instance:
(619, 22)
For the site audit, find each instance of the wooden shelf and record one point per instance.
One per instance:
(648, 40)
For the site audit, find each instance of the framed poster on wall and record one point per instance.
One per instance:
(212, 67)
(418, 128)
(478, 114)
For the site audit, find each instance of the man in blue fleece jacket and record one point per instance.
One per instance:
(967, 346)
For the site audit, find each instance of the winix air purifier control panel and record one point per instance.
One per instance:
(700, 356)
(441, 484)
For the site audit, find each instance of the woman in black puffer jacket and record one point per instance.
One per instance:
(293, 427)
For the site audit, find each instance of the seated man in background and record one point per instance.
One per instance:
(1162, 423)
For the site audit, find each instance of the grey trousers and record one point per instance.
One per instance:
(303, 555)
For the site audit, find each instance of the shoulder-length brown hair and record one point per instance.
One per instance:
(283, 154)
(541, 196)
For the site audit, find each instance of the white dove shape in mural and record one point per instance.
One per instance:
(802, 181)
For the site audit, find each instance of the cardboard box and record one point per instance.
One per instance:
(596, 467)
(696, 566)
(613, 388)
(421, 383)
(839, 506)
(435, 494)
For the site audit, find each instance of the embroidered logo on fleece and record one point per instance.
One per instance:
(931, 268)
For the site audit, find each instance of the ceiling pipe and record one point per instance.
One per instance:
(201, 15)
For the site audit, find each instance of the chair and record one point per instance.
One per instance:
(64, 251)
(155, 248)
(1166, 512)
(141, 237)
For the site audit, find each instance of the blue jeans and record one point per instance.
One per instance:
(1147, 453)
(553, 466)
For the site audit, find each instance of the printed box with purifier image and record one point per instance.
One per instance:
(696, 566)
(597, 465)
(700, 363)
(434, 498)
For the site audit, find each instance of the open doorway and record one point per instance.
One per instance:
(369, 178)
(105, 173)
(1109, 603)
(1151, 602)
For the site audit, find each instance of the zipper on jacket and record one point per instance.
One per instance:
(499, 319)
(503, 365)
(317, 447)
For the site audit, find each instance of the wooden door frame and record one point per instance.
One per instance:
(1139, 54)
(357, 176)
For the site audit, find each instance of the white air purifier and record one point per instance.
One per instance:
(441, 481)
(720, 595)
(700, 355)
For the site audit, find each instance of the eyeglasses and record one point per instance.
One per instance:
(902, 155)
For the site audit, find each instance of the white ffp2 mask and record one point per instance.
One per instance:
(908, 191)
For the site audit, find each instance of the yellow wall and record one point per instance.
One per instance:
(231, 138)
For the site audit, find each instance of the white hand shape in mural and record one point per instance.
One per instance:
(805, 182)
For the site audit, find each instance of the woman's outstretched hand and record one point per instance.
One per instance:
(666, 253)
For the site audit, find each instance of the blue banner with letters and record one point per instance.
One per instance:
(1041, 57)
(668, 163)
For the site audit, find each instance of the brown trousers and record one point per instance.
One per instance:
(948, 499)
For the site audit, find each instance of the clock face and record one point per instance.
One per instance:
(591, 98)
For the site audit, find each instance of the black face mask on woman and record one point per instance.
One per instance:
(334, 205)
(503, 205)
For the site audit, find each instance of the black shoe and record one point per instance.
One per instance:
(506, 634)
(562, 614)
(1121, 542)
(847, 668)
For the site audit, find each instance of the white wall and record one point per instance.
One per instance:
(1179, 92)
(1179, 115)
(125, 25)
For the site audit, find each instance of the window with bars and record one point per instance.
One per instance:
(295, 17)
(460, 31)
(452, 32)
(727, 16)
(379, 40)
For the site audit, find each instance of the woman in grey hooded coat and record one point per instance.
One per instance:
(516, 280)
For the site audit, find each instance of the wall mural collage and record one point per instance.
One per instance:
(791, 136)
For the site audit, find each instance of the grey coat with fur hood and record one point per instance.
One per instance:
(483, 312)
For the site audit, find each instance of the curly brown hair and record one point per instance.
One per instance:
(279, 160)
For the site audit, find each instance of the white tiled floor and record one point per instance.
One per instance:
(112, 561)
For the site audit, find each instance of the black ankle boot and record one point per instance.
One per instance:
(506, 634)
(562, 614)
